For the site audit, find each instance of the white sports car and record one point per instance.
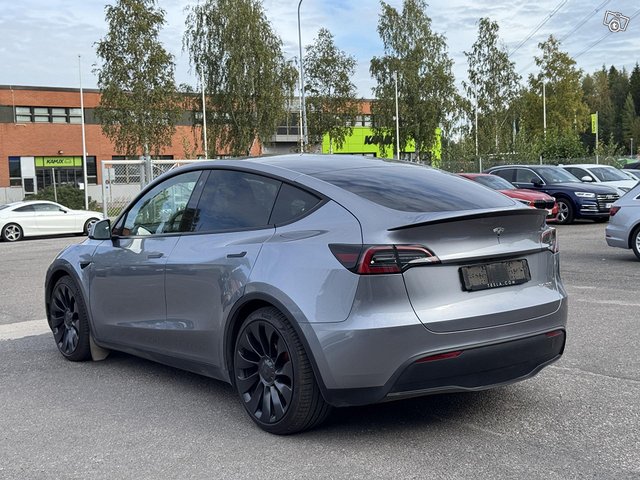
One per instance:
(40, 217)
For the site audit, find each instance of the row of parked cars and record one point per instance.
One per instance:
(570, 192)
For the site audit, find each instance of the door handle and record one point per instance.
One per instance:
(155, 255)
(236, 255)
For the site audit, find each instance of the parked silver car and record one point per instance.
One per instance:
(623, 230)
(311, 281)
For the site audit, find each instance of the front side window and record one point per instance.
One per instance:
(556, 175)
(524, 175)
(234, 200)
(163, 208)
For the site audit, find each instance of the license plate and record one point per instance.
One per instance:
(495, 275)
(608, 205)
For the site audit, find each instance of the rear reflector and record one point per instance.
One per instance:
(381, 259)
(555, 333)
(613, 211)
(440, 356)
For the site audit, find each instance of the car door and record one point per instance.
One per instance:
(209, 268)
(52, 219)
(527, 178)
(127, 274)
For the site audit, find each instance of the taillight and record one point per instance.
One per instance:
(381, 259)
(613, 211)
(549, 237)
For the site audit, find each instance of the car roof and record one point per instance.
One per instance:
(588, 165)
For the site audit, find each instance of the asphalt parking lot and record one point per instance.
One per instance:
(130, 418)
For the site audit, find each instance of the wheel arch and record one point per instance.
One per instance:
(245, 306)
(632, 231)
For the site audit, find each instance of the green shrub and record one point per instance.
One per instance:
(68, 196)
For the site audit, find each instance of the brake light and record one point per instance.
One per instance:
(549, 237)
(613, 211)
(381, 259)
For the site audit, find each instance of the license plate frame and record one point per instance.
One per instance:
(494, 275)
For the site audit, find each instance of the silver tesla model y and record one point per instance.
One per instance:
(310, 282)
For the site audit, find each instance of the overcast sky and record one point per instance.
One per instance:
(40, 40)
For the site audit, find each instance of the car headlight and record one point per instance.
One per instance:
(585, 195)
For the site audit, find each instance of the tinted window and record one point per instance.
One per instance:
(161, 210)
(524, 175)
(507, 173)
(292, 203)
(414, 189)
(46, 207)
(26, 208)
(495, 182)
(578, 172)
(235, 200)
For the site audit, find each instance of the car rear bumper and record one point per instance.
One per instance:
(358, 366)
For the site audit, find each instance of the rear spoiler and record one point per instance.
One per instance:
(464, 215)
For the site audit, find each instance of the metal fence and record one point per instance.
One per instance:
(122, 180)
(482, 163)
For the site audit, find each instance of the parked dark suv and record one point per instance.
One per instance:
(576, 200)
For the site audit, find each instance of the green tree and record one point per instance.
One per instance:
(619, 88)
(232, 46)
(493, 84)
(566, 110)
(427, 95)
(634, 86)
(597, 96)
(630, 122)
(139, 106)
(331, 103)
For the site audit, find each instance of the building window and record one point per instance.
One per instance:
(15, 173)
(48, 115)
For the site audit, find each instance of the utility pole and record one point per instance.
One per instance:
(204, 118)
(597, 130)
(397, 118)
(544, 109)
(84, 142)
(475, 89)
(303, 107)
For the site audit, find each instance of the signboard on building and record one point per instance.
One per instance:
(53, 162)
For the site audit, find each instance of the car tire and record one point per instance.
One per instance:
(87, 225)
(635, 242)
(12, 232)
(68, 320)
(565, 211)
(273, 376)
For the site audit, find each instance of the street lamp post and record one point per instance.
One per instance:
(84, 142)
(397, 118)
(631, 147)
(303, 107)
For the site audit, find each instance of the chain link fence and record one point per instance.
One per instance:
(122, 180)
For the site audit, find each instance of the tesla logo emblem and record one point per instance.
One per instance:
(498, 231)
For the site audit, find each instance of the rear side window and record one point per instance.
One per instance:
(507, 173)
(26, 208)
(234, 200)
(415, 189)
(292, 203)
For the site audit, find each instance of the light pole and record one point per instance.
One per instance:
(397, 118)
(303, 107)
(84, 142)
(204, 118)
(631, 147)
(544, 109)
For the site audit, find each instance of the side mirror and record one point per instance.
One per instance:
(536, 182)
(62, 210)
(101, 230)
(587, 178)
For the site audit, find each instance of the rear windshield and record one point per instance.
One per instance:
(414, 189)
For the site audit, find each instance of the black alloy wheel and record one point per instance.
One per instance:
(273, 376)
(68, 320)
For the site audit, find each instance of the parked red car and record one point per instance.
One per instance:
(528, 197)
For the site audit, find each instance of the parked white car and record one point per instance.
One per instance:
(604, 174)
(40, 217)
